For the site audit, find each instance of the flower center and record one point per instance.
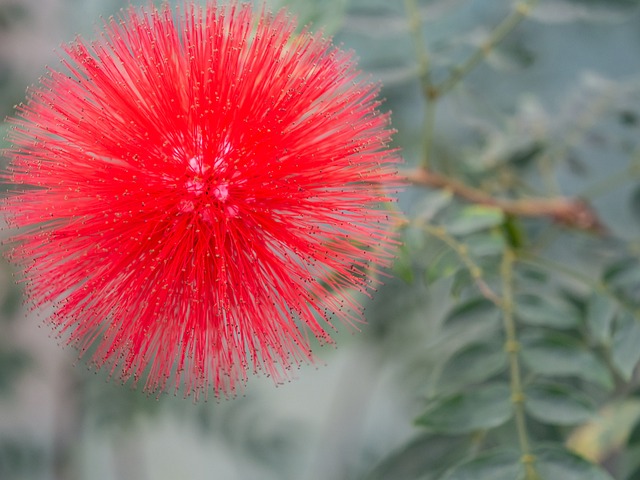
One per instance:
(205, 192)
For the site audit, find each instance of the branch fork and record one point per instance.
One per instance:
(571, 212)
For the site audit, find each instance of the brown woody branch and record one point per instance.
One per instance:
(572, 212)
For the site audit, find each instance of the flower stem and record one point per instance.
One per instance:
(512, 347)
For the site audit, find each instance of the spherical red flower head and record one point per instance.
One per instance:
(197, 192)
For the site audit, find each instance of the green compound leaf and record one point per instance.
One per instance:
(556, 463)
(426, 458)
(625, 353)
(474, 218)
(556, 354)
(546, 312)
(472, 321)
(473, 364)
(485, 244)
(558, 404)
(403, 267)
(622, 273)
(446, 264)
(482, 408)
(470, 310)
(496, 465)
(601, 311)
(432, 203)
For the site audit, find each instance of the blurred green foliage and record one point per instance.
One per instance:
(511, 329)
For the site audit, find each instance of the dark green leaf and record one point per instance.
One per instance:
(514, 236)
(470, 310)
(496, 465)
(622, 273)
(469, 322)
(402, 266)
(556, 354)
(482, 408)
(628, 118)
(555, 463)
(634, 436)
(446, 264)
(463, 332)
(526, 154)
(635, 475)
(532, 275)
(425, 457)
(547, 312)
(433, 203)
(625, 353)
(474, 218)
(462, 281)
(485, 244)
(507, 58)
(558, 404)
(473, 364)
(600, 313)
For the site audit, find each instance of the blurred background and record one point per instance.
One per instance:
(566, 80)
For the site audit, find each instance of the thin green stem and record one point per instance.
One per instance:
(512, 347)
(463, 253)
(424, 70)
(431, 92)
(520, 12)
(415, 27)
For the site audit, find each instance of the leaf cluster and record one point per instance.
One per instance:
(536, 375)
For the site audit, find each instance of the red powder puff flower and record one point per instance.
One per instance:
(197, 192)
